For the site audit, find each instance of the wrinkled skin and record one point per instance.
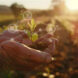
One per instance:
(15, 51)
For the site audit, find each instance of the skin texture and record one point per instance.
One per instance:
(15, 51)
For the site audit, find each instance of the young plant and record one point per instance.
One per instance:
(32, 25)
(28, 24)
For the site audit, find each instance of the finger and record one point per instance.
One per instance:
(50, 49)
(12, 33)
(44, 38)
(20, 36)
(24, 39)
(3, 38)
(7, 62)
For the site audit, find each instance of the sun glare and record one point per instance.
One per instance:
(72, 4)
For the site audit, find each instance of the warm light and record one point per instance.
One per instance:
(29, 4)
(72, 4)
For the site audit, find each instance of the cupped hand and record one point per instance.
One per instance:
(46, 43)
(21, 57)
(15, 49)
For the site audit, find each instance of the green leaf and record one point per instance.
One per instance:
(28, 33)
(34, 37)
(32, 25)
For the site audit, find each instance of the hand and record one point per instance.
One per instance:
(20, 57)
(46, 43)
(12, 33)
(19, 36)
(46, 39)
(17, 53)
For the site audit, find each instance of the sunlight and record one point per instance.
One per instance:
(30, 4)
(72, 4)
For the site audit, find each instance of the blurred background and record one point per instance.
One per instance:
(62, 14)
